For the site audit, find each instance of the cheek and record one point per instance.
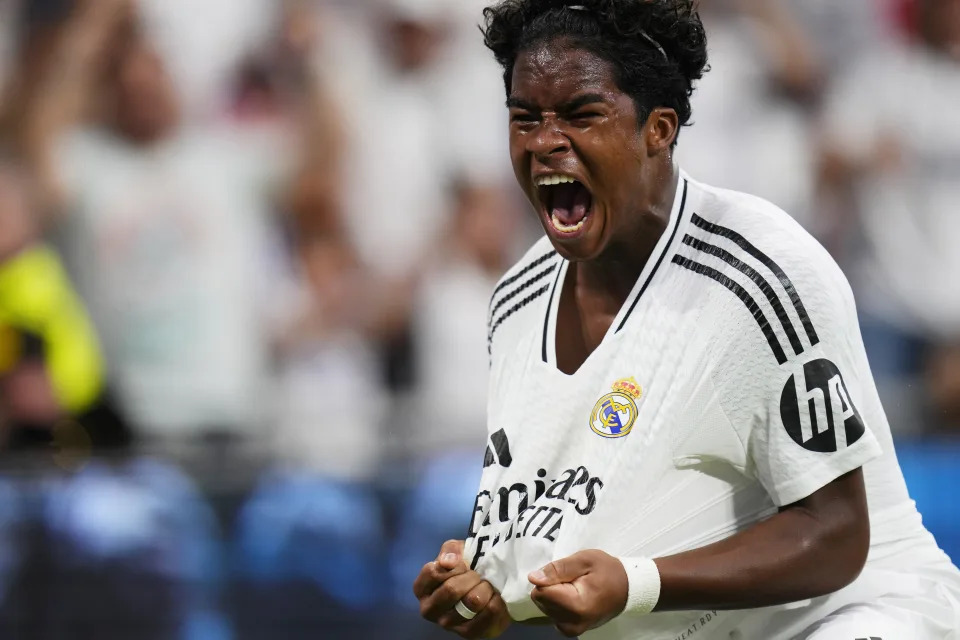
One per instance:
(520, 162)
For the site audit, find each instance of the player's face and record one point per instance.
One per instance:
(576, 147)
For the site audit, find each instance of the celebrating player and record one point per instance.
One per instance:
(685, 438)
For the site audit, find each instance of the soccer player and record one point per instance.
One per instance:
(685, 438)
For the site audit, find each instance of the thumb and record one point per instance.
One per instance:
(451, 553)
(561, 571)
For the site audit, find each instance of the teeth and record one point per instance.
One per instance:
(546, 181)
(562, 228)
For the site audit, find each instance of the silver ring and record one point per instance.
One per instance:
(465, 613)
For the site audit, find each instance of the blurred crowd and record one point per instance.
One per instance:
(246, 254)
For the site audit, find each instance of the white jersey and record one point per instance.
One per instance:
(732, 382)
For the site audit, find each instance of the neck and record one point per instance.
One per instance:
(615, 273)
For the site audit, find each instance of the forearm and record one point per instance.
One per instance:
(797, 554)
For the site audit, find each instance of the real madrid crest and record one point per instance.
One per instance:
(614, 414)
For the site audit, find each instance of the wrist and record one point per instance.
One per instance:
(643, 585)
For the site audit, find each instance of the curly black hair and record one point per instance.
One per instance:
(619, 31)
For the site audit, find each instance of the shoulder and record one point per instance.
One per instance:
(760, 275)
(522, 289)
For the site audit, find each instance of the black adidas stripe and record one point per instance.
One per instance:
(744, 244)
(526, 285)
(512, 310)
(502, 447)
(760, 281)
(546, 316)
(527, 269)
(744, 296)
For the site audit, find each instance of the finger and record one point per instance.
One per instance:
(564, 570)
(450, 554)
(501, 620)
(491, 622)
(432, 575)
(447, 595)
(561, 602)
(479, 627)
(479, 597)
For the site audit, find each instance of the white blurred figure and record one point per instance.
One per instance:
(331, 402)
(892, 138)
(450, 334)
(752, 128)
(165, 230)
(397, 173)
(202, 43)
(420, 114)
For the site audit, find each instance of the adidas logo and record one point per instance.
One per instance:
(500, 453)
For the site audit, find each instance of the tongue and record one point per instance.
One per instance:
(571, 202)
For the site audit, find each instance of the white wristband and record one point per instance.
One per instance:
(643, 580)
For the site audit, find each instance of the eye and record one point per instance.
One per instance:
(585, 118)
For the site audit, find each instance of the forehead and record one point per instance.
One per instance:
(549, 73)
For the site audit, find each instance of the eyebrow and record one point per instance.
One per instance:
(567, 107)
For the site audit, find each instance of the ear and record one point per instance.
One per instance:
(660, 130)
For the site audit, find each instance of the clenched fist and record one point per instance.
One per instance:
(581, 592)
(445, 582)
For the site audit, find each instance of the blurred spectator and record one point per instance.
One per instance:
(416, 126)
(450, 328)
(331, 398)
(396, 195)
(165, 231)
(899, 167)
(52, 387)
(203, 42)
(765, 73)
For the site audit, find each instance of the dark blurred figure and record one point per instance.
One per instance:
(892, 156)
(52, 390)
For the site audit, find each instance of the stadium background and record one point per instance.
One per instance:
(246, 251)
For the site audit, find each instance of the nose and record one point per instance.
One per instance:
(548, 140)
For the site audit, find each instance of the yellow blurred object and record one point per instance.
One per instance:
(36, 297)
(11, 348)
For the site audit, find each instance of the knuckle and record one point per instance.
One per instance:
(446, 592)
(475, 601)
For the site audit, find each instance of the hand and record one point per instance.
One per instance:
(581, 592)
(445, 582)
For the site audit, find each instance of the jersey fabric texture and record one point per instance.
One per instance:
(732, 382)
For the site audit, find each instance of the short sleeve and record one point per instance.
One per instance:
(792, 389)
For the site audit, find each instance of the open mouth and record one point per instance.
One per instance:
(566, 202)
